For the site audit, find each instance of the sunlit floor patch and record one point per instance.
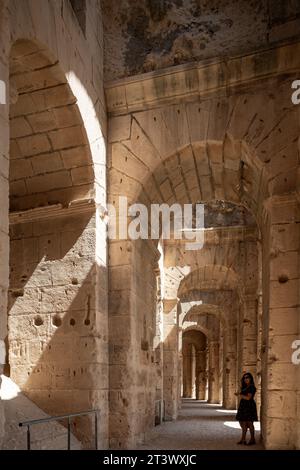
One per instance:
(235, 425)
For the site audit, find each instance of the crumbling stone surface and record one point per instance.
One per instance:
(152, 35)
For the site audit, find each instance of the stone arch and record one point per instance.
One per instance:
(194, 346)
(210, 277)
(51, 161)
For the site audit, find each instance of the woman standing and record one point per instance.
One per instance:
(247, 412)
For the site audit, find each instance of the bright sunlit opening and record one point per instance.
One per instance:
(227, 411)
(235, 425)
(9, 389)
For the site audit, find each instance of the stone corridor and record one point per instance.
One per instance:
(200, 426)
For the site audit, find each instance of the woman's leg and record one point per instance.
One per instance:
(243, 425)
(252, 431)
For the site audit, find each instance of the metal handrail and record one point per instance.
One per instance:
(58, 418)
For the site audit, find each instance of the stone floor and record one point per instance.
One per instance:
(200, 426)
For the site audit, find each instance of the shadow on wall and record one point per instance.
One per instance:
(57, 319)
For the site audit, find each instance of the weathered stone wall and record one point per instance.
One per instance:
(4, 169)
(58, 295)
(210, 132)
(154, 34)
(132, 324)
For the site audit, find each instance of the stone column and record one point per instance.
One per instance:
(249, 335)
(193, 371)
(201, 375)
(213, 372)
(281, 322)
(229, 368)
(170, 359)
(187, 371)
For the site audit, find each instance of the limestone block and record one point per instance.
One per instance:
(75, 156)
(19, 127)
(120, 277)
(119, 128)
(119, 302)
(86, 349)
(50, 181)
(14, 150)
(20, 168)
(143, 147)
(46, 162)
(123, 160)
(282, 376)
(4, 255)
(284, 295)
(206, 188)
(280, 433)
(284, 211)
(283, 320)
(38, 79)
(119, 377)
(23, 251)
(285, 237)
(67, 116)
(34, 144)
(122, 185)
(280, 347)
(68, 137)
(231, 153)
(77, 243)
(82, 175)
(201, 157)
(282, 404)
(198, 117)
(285, 265)
(120, 429)
(44, 121)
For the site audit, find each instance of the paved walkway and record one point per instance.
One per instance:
(200, 426)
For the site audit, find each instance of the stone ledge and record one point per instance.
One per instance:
(54, 211)
(199, 79)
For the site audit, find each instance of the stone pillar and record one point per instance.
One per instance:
(249, 335)
(281, 323)
(193, 371)
(170, 359)
(229, 368)
(201, 375)
(4, 171)
(132, 313)
(187, 371)
(213, 372)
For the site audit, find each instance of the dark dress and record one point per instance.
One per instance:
(247, 408)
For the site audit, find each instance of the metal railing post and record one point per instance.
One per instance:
(96, 431)
(69, 434)
(28, 437)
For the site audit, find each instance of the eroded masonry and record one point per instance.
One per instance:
(155, 104)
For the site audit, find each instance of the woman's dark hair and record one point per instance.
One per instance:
(247, 374)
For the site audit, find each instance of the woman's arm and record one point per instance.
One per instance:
(246, 397)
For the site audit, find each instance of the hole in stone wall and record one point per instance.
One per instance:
(72, 322)
(283, 278)
(87, 321)
(38, 321)
(74, 281)
(56, 321)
